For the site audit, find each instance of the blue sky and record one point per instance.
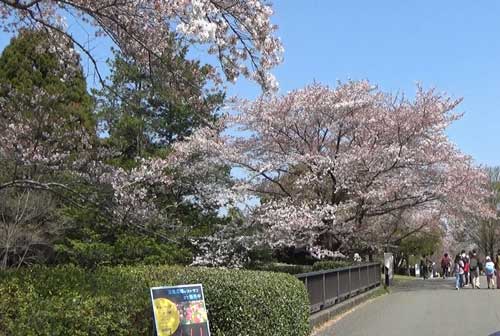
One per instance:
(453, 46)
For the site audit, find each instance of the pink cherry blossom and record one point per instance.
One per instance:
(353, 163)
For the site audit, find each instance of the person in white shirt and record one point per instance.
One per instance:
(459, 272)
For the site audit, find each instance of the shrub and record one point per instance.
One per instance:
(68, 300)
(284, 268)
(330, 264)
(126, 250)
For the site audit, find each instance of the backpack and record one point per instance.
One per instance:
(474, 263)
(489, 268)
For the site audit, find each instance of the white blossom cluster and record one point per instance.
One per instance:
(238, 32)
(348, 166)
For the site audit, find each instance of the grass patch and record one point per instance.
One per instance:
(403, 278)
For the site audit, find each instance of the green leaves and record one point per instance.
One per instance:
(68, 300)
(145, 109)
(29, 62)
(126, 249)
(330, 264)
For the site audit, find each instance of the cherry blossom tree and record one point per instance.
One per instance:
(238, 33)
(63, 159)
(484, 233)
(47, 143)
(335, 167)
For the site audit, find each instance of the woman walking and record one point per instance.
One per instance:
(466, 270)
(445, 265)
(459, 272)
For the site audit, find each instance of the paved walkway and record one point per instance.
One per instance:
(424, 307)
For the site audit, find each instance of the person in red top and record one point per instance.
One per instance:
(445, 265)
(466, 270)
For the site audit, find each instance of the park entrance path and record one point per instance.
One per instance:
(424, 307)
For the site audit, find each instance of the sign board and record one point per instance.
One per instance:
(180, 311)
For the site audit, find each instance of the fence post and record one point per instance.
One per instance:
(368, 283)
(324, 289)
(350, 284)
(359, 278)
(338, 285)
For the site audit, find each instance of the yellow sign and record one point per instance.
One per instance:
(167, 317)
(180, 310)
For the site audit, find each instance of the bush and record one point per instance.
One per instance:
(68, 300)
(284, 268)
(330, 264)
(126, 250)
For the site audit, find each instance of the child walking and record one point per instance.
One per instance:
(489, 269)
(459, 272)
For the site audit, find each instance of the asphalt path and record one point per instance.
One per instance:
(424, 307)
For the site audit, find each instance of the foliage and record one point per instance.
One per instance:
(335, 167)
(232, 245)
(45, 110)
(127, 249)
(485, 234)
(28, 226)
(44, 106)
(283, 268)
(144, 110)
(30, 64)
(324, 265)
(241, 36)
(421, 243)
(165, 190)
(48, 142)
(69, 300)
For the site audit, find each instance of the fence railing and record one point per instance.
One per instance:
(327, 288)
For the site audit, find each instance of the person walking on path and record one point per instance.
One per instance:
(430, 268)
(474, 266)
(497, 267)
(423, 266)
(459, 272)
(489, 269)
(445, 265)
(466, 270)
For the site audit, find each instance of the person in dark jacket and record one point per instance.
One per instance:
(474, 268)
(423, 267)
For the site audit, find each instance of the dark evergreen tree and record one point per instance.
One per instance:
(144, 110)
(43, 88)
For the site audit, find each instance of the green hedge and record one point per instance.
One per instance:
(127, 249)
(284, 268)
(330, 264)
(67, 300)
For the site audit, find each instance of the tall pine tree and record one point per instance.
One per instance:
(44, 93)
